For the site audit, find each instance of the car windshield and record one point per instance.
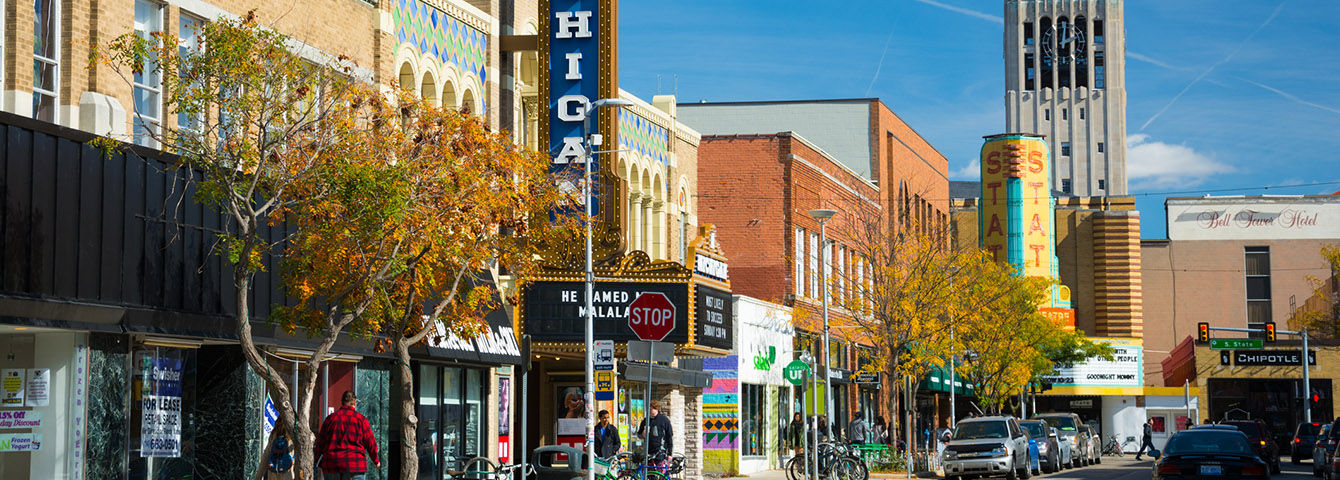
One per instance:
(1063, 422)
(1208, 441)
(975, 430)
(1035, 429)
(1248, 429)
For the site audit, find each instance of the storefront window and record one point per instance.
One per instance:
(162, 413)
(43, 398)
(752, 419)
(452, 418)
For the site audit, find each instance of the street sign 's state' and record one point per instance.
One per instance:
(1236, 343)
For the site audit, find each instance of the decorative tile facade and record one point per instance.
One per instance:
(643, 136)
(445, 38)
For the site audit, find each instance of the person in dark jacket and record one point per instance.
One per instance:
(659, 439)
(1147, 441)
(857, 431)
(607, 436)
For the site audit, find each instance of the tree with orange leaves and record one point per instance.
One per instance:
(378, 206)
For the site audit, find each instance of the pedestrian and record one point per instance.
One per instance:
(607, 436)
(659, 438)
(881, 430)
(345, 442)
(1148, 440)
(857, 432)
(277, 459)
(1190, 422)
(795, 434)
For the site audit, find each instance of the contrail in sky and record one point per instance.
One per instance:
(1291, 96)
(970, 13)
(879, 65)
(1207, 71)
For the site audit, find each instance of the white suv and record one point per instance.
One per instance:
(987, 446)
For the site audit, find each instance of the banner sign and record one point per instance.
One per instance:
(555, 311)
(1253, 218)
(1124, 370)
(78, 410)
(20, 442)
(20, 419)
(38, 387)
(11, 387)
(160, 431)
(715, 318)
(1263, 358)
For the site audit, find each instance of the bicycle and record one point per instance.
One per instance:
(835, 461)
(630, 467)
(480, 468)
(1118, 449)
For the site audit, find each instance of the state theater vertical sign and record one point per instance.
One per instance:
(578, 51)
(1017, 219)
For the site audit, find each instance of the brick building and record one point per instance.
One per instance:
(762, 167)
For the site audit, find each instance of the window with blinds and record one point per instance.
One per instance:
(1257, 271)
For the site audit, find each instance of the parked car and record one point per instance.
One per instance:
(987, 446)
(1049, 449)
(1322, 449)
(1209, 453)
(1303, 438)
(1262, 440)
(1067, 425)
(1095, 443)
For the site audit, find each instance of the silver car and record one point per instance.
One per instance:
(987, 446)
(1067, 426)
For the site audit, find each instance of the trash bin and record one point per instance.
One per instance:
(559, 462)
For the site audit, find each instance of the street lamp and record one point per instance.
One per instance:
(822, 215)
(590, 142)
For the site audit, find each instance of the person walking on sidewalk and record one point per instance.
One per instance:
(857, 431)
(659, 434)
(795, 434)
(1148, 440)
(345, 442)
(607, 436)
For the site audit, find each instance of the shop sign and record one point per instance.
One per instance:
(604, 358)
(710, 267)
(38, 387)
(11, 385)
(78, 411)
(20, 419)
(1252, 218)
(866, 377)
(604, 386)
(555, 311)
(1263, 358)
(271, 415)
(20, 442)
(1124, 370)
(715, 318)
(504, 419)
(160, 431)
(1082, 403)
(763, 360)
(795, 372)
(1016, 219)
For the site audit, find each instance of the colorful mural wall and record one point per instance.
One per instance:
(721, 416)
(448, 45)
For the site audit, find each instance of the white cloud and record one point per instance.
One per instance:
(1151, 164)
(971, 171)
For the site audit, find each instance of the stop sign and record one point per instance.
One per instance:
(651, 316)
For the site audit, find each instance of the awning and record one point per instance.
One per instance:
(938, 380)
(497, 345)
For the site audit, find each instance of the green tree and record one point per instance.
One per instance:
(1320, 312)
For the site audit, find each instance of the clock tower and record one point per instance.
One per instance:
(1065, 79)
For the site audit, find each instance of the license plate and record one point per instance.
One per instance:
(1211, 470)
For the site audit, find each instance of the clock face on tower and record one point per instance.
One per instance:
(1062, 43)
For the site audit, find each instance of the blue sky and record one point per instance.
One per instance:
(1221, 94)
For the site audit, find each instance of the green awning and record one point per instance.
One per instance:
(938, 380)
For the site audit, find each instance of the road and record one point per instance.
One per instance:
(1126, 468)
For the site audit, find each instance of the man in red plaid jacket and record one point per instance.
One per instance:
(345, 439)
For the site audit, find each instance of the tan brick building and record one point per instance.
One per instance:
(1239, 262)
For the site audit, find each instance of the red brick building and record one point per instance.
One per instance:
(764, 165)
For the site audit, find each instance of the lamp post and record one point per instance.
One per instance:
(590, 142)
(822, 215)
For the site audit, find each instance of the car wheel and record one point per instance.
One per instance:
(1077, 462)
(1013, 473)
(1098, 459)
(1026, 472)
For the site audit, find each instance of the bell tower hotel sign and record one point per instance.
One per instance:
(1254, 218)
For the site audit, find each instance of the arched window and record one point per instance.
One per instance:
(1081, 52)
(428, 89)
(407, 76)
(1046, 54)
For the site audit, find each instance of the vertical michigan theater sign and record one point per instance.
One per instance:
(1018, 214)
(577, 52)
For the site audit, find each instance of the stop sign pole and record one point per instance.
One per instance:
(651, 316)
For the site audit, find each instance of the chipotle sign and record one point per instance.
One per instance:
(1254, 218)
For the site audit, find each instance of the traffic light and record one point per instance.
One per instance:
(1270, 331)
(1203, 332)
